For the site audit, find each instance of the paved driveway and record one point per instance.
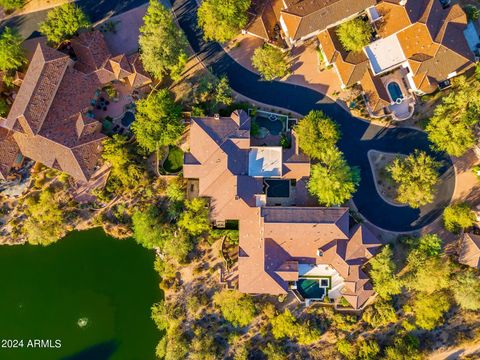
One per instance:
(357, 136)
(96, 10)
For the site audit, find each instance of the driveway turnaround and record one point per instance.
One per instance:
(358, 136)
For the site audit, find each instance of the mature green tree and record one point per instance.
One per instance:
(317, 135)
(162, 43)
(285, 325)
(355, 34)
(203, 346)
(361, 350)
(385, 281)
(210, 94)
(45, 219)
(175, 191)
(270, 62)
(236, 308)
(148, 229)
(177, 344)
(221, 20)
(403, 348)
(223, 93)
(158, 121)
(432, 276)
(380, 314)
(195, 219)
(10, 5)
(12, 55)
(125, 173)
(466, 289)
(423, 248)
(429, 309)
(416, 177)
(458, 217)
(159, 315)
(452, 127)
(63, 22)
(335, 182)
(274, 351)
(177, 245)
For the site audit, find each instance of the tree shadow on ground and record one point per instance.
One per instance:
(101, 351)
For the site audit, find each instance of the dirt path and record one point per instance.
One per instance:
(456, 353)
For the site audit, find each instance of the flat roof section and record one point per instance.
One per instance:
(265, 161)
(385, 54)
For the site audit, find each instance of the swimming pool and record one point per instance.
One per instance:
(278, 188)
(310, 289)
(395, 91)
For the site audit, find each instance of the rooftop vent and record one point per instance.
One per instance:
(319, 252)
(216, 116)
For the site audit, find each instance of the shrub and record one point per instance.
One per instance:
(236, 308)
(466, 290)
(458, 217)
(429, 309)
(285, 325)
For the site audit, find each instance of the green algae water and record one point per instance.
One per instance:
(87, 297)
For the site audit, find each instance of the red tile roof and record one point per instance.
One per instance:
(273, 240)
(49, 115)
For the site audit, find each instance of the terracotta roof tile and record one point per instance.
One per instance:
(91, 50)
(273, 240)
(49, 113)
(303, 17)
(470, 250)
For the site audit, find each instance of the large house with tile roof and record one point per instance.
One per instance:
(299, 20)
(283, 243)
(419, 46)
(51, 120)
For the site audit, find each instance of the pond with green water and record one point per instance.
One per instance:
(89, 292)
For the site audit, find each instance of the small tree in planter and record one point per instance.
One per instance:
(355, 34)
(111, 92)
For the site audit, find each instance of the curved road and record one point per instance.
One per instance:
(358, 137)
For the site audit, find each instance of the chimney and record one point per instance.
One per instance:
(216, 116)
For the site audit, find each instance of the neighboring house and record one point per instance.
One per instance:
(469, 252)
(51, 119)
(300, 20)
(420, 45)
(285, 242)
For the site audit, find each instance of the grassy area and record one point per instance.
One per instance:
(174, 161)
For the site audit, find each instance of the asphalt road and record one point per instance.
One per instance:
(28, 24)
(358, 137)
